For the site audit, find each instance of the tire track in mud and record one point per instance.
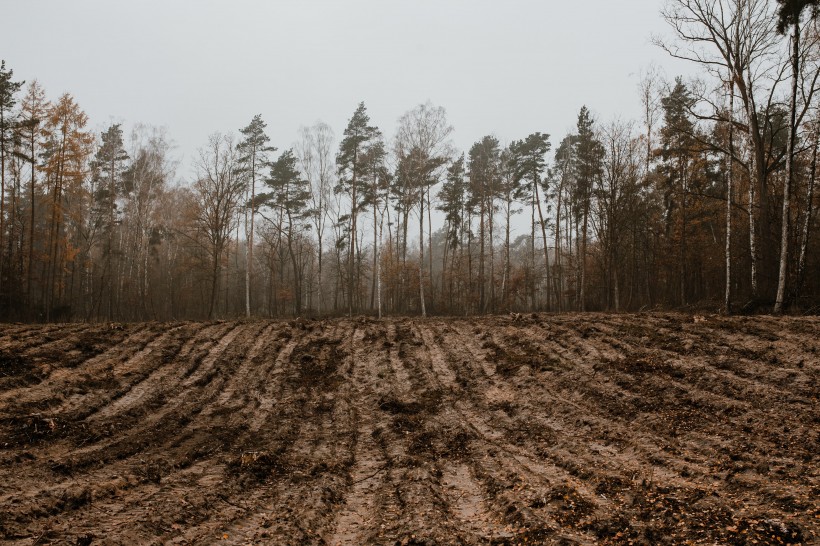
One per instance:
(89, 466)
(508, 466)
(690, 478)
(196, 458)
(157, 459)
(284, 468)
(393, 494)
(658, 453)
(67, 368)
(367, 475)
(697, 382)
(41, 337)
(171, 375)
(578, 455)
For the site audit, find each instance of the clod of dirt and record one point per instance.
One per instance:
(259, 465)
(397, 407)
(17, 370)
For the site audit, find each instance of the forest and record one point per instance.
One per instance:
(707, 201)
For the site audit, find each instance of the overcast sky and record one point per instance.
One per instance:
(506, 68)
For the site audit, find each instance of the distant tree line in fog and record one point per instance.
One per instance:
(708, 199)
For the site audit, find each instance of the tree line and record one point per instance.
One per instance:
(708, 199)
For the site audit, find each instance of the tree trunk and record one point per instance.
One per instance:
(352, 250)
(784, 228)
(214, 281)
(29, 273)
(2, 190)
(544, 239)
(583, 256)
(378, 271)
(727, 304)
(249, 242)
(683, 299)
(533, 304)
(374, 283)
(481, 283)
(756, 181)
(490, 217)
(421, 255)
(804, 239)
(507, 267)
(430, 250)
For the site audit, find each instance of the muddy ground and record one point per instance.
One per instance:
(539, 429)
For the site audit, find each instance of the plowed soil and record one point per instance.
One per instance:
(533, 429)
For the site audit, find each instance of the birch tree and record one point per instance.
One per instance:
(789, 16)
(314, 152)
(738, 38)
(423, 133)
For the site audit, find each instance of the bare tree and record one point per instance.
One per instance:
(738, 38)
(789, 16)
(809, 210)
(730, 171)
(314, 150)
(424, 133)
(146, 181)
(218, 189)
(618, 183)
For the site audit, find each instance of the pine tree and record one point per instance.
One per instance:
(564, 173)
(108, 167)
(8, 89)
(452, 201)
(589, 154)
(484, 168)
(34, 113)
(358, 137)
(530, 162)
(290, 194)
(676, 147)
(253, 160)
(374, 195)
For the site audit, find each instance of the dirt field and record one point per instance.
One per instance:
(540, 429)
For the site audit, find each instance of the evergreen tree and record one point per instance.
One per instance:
(8, 89)
(485, 156)
(677, 143)
(564, 174)
(358, 137)
(589, 154)
(529, 156)
(290, 194)
(108, 167)
(34, 111)
(452, 201)
(375, 185)
(253, 160)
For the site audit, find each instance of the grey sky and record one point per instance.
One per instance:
(504, 67)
